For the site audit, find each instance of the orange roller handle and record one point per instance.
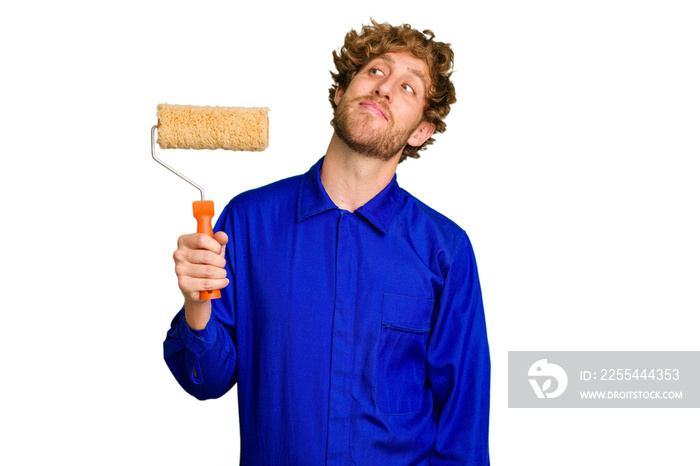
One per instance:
(204, 213)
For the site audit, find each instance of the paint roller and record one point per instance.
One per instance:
(192, 127)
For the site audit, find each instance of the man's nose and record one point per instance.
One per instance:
(385, 89)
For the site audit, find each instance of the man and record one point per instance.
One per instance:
(351, 314)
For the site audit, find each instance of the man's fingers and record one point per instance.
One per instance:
(199, 263)
(192, 286)
(199, 271)
(200, 241)
(198, 256)
(198, 248)
(221, 237)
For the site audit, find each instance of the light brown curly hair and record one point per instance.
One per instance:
(377, 39)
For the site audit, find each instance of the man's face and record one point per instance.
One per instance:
(382, 109)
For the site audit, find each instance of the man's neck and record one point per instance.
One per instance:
(351, 179)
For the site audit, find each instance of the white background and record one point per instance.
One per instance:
(571, 159)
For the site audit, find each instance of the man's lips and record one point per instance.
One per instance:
(375, 108)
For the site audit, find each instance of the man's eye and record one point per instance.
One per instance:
(376, 71)
(409, 88)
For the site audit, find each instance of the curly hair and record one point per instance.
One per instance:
(377, 39)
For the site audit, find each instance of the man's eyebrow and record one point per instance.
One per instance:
(418, 73)
(421, 76)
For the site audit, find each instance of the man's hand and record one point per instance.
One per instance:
(199, 266)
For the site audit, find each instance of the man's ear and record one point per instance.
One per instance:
(338, 94)
(421, 134)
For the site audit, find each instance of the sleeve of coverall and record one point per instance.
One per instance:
(204, 361)
(459, 366)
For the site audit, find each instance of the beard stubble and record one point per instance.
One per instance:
(360, 132)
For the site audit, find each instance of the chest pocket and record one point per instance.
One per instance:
(401, 357)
